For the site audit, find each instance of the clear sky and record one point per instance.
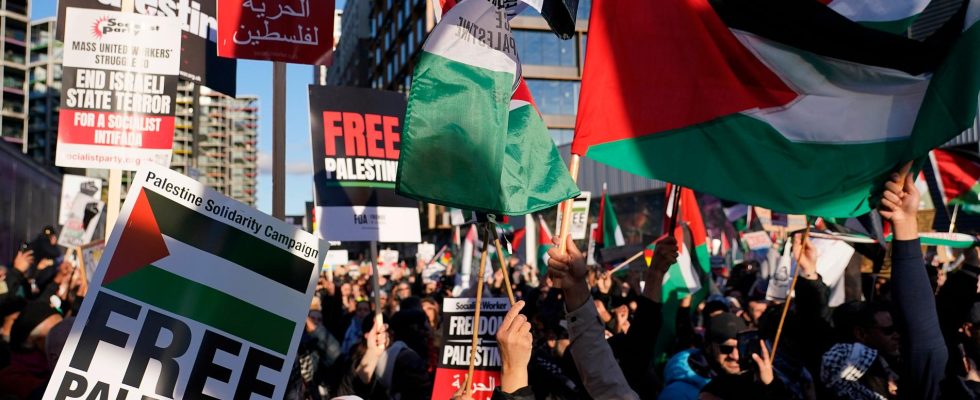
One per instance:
(255, 77)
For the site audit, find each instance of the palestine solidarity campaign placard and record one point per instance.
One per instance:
(196, 296)
(120, 84)
(356, 139)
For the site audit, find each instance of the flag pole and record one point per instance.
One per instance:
(675, 197)
(624, 263)
(789, 297)
(378, 319)
(503, 266)
(566, 212)
(952, 221)
(468, 388)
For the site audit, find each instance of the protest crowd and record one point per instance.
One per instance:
(579, 332)
(821, 110)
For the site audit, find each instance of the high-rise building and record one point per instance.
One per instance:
(14, 25)
(44, 91)
(222, 153)
(350, 65)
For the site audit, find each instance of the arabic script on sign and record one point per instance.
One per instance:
(304, 35)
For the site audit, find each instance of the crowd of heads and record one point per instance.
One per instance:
(579, 331)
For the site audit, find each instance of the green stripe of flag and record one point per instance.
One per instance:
(782, 173)
(206, 305)
(379, 185)
(897, 26)
(197, 230)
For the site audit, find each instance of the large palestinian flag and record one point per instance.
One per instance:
(473, 138)
(793, 105)
(957, 174)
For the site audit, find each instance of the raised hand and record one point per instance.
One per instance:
(515, 341)
(23, 260)
(806, 255)
(899, 204)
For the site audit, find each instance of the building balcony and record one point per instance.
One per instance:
(13, 90)
(15, 40)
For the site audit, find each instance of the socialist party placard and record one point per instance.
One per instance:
(199, 60)
(119, 90)
(356, 139)
(196, 296)
(457, 333)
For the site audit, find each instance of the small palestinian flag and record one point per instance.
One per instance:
(446, 259)
(648, 253)
(750, 96)
(608, 234)
(545, 243)
(957, 174)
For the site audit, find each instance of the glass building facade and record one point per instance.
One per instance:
(393, 32)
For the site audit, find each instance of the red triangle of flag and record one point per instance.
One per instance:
(139, 244)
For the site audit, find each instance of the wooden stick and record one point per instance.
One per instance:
(624, 263)
(476, 314)
(675, 208)
(374, 282)
(566, 211)
(792, 285)
(566, 215)
(503, 268)
(952, 221)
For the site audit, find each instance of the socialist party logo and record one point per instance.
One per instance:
(106, 25)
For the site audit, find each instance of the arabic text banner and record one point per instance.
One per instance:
(294, 31)
(163, 319)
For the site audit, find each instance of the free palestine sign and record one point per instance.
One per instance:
(195, 295)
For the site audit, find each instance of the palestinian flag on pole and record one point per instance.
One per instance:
(693, 260)
(608, 233)
(473, 138)
(957, 174)
(693, 263)
(796, 106)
